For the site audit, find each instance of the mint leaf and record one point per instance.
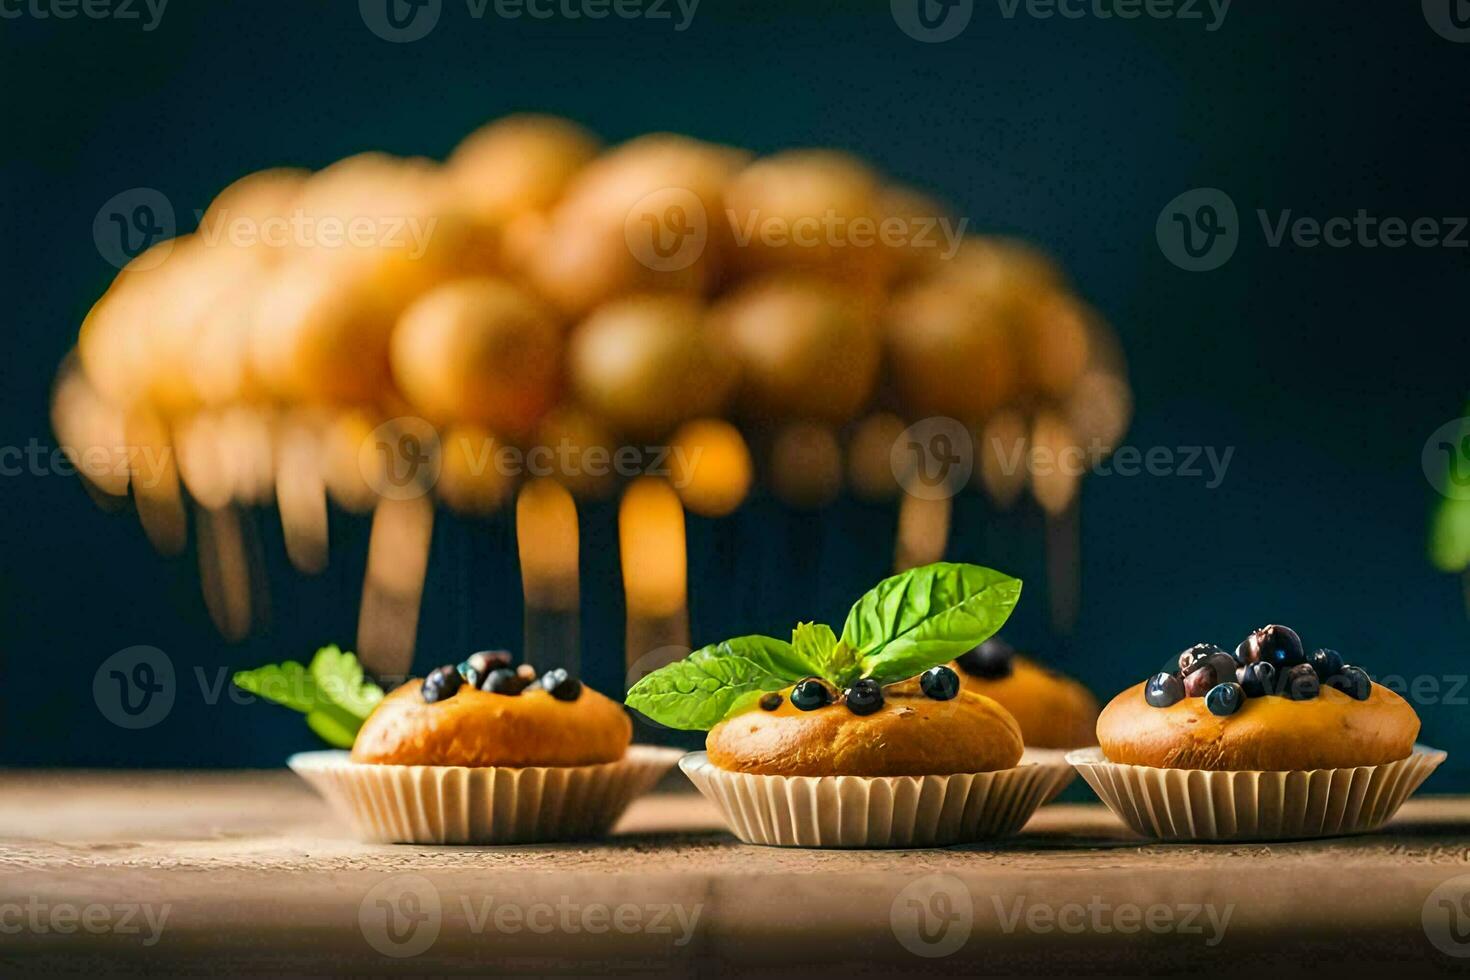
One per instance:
(714, 681)
(332, 692)
(926, 616)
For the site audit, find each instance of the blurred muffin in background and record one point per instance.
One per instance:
(646, 363)
(813, 211)
(254, 213)
(321, 334)
(507, 175)
(479, 350)
(951, 349)
(1055, 712)
(521, 163)
(642, 218)
(805, 349)
(920, 233)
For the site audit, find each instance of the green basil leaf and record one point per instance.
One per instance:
(339, 682)
(712, 682)
(926, 616)
(816, 646)
(1449, 535)
(332, 727)
(332, 692)
(288, 684)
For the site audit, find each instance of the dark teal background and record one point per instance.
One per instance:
(1325, 369)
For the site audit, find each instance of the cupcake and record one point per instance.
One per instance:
(486, 752)
(1054, 712)
(1267, 742)
(867, 739)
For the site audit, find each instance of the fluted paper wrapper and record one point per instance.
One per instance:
(1059, 769)
(874, 811)
(481, 805)
(1203, 805)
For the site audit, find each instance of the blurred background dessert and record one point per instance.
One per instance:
(542, 325)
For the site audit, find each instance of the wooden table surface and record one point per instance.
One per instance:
(248, 872)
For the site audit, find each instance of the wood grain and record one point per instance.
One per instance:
(256, 876)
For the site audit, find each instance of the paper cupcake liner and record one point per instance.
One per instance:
(874, 811)
(1055, 762)
(1203, 805)
(481, 805)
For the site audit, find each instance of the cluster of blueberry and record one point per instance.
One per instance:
(990, 660)
(491, 670)
(1271, 661)
(865, 696)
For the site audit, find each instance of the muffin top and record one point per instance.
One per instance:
(909, 734)
(485, 713)
(1054, 712)
(880, 700)
(1269, 706)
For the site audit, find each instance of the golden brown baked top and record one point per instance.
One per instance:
(1054, 712)
(477, 728)
(910, 735)
(1331, 730)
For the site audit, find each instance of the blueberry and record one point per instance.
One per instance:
(1277, 645)
(561, 685)
(991, 659)
(477, 666)
(810, 694)
(1225, 699)
(503, 680)
(1163, 690)
(442, 682)
(1301, 683)
(1352, 681)
(1197, 682)
(1196, 654)
(1257, 680)
(1223, 664)
(771, 700)
(1326, 663)
(864, 697)
(940, 683)
(470, 673)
